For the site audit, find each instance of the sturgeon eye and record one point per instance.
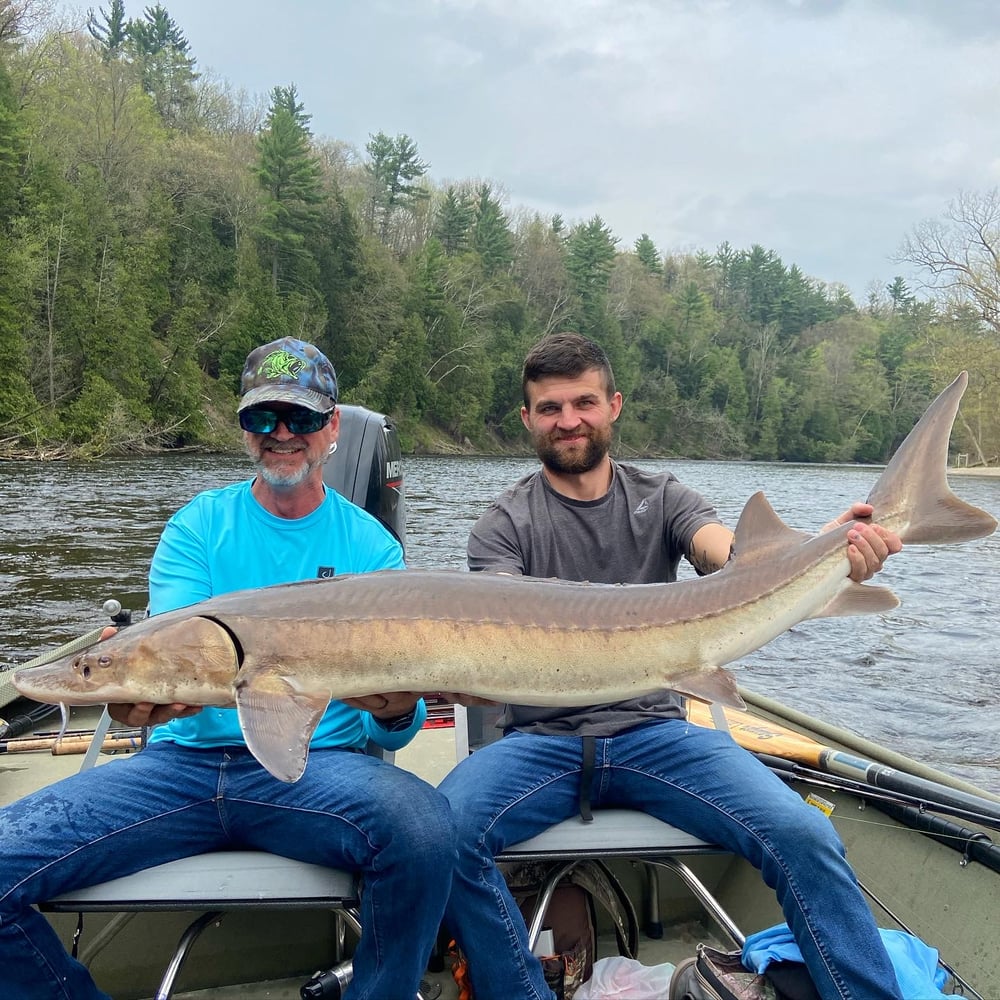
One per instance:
(104, 661)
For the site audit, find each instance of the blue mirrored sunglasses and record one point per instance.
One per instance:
(298, 420)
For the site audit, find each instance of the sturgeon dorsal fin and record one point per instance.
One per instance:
(278, 721)
(760, 532)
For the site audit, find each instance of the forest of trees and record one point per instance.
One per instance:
(155, 226)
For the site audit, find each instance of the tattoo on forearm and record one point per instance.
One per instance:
(703, 563)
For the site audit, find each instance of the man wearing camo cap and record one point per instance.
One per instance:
(197, 787)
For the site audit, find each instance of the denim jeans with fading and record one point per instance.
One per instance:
(348, 810)
(694, 778)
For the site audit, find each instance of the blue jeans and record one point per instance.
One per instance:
(698, 780)
(349, 810)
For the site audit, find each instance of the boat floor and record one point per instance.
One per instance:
(678, 944)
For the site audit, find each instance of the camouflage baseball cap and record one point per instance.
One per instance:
(289, 371)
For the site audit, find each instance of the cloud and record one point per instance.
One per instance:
(822, 129)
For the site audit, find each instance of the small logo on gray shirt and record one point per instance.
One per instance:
(642, 508)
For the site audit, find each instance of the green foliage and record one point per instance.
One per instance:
(102, 421)
(723, 387)
(20, 416)
(287, 99)
(157, 233)
(393, 169)
(491, 236)
(11, 149)
(291, 192)
(110, 29)
(645, 250)
(590, 252)
(453, 221)
(395, 383)
(176, 383)
(160, 51)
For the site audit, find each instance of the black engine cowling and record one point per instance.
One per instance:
(367, 466)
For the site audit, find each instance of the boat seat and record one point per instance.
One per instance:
(215, 883)
(612, 833)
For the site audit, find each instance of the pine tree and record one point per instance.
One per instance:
(161, 52)
(110, 30)
(11, 149)
(453, 222)
(647, 253)
(590, 253)
(394, 168)
(287, 98)
(491, 237)
(290, 179)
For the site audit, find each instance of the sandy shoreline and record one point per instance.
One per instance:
(988, 471)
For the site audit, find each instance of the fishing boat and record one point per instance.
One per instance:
(922, 842)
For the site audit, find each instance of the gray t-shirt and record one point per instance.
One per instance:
(636, 533)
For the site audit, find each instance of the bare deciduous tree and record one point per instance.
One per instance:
(962, 252)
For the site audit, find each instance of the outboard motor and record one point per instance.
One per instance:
(367, 467)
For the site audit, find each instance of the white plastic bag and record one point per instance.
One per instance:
(626, 979)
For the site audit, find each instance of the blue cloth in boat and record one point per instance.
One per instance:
(916, 963)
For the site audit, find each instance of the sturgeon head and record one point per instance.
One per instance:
(190, 661)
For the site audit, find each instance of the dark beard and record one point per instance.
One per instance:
(597, 447)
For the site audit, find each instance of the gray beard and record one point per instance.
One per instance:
(284, 482)
(276, 480)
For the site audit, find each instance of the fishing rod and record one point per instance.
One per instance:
(912, 811)
(855, 746)
(26, 722)
(775, 740)
(924, 795)
(116, 740)
(982, 811)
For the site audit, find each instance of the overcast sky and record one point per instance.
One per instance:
(822, 129)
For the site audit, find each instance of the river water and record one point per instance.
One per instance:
(921, 680)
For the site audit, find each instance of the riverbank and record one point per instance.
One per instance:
(990, 471)
(438, 448)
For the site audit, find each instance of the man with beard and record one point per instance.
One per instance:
(584, 516)
(196, 787)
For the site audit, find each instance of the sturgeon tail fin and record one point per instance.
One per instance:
(912, 496)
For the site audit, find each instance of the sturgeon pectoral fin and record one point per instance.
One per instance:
(859, 599)
(278, 722)
(717, 685)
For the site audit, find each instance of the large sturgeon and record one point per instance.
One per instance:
(280, 654)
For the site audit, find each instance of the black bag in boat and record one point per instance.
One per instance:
(720, 975)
